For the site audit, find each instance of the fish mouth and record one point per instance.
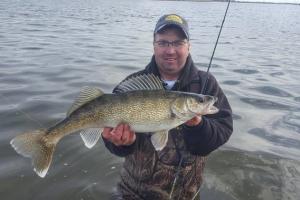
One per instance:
(213, 109)
(210, 108)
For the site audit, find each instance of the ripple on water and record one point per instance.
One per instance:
(32, 48)
(272, 91)
(223, 59)
(264, 176)
(292, 122)
(236, 117)
(82, 61)
(31, 30)
(205, 65)
(246, 71)
(262, 79)
(271, 65)
(229, 82)
(274, 74)
(37, 24)
(275, 139)
(127, 67)
(265, 104)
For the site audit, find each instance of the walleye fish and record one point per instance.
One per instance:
(141, 102)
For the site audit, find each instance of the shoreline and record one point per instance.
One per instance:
(237, 1)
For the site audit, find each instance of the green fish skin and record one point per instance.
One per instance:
(142, 103)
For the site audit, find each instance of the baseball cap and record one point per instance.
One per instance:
(175, 20)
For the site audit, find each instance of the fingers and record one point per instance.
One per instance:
(120, 135)
(128, 136)
(106, 133)
(117, 132)
(194, 121)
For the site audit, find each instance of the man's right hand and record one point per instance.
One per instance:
(120, 135)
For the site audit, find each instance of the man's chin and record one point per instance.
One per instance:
(170, 66)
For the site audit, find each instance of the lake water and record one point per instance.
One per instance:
(50, 49)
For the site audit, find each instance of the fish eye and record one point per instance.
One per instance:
(201, 99)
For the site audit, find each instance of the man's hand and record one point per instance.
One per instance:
(194, 121)
(120, 135)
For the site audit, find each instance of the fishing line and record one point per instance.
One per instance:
(25, 114)
(176, 177)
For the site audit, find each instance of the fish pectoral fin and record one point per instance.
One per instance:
(159, 139)
(90, 136)
(86, 94)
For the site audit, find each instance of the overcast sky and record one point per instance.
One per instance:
(277, 1)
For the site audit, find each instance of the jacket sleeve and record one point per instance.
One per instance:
(121, 151)
(214, 130)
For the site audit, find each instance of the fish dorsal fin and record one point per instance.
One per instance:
(141, 82)
(86, 95)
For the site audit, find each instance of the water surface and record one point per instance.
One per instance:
(50, 49)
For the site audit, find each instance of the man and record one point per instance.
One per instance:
(175, 172)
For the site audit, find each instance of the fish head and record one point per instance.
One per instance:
(201, 104)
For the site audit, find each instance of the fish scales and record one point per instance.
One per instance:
(134, 108)
(141, 109)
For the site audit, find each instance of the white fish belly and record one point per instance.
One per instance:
(155, 126)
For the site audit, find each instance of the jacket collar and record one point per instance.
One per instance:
(189, 73)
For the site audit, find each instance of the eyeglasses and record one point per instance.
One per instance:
(165, 43)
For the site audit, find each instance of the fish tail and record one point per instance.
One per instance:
(38, 147)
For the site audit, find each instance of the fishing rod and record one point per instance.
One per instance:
(202, 92)
(212, 56)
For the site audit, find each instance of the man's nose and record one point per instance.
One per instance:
(170, 49)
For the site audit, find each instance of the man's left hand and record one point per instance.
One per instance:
(194, 121)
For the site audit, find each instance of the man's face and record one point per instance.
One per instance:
(171, 51)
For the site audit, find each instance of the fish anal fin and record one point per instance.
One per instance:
(159, 139)
(87, 94)
(90, 136)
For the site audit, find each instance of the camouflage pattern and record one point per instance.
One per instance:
(146, 170)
